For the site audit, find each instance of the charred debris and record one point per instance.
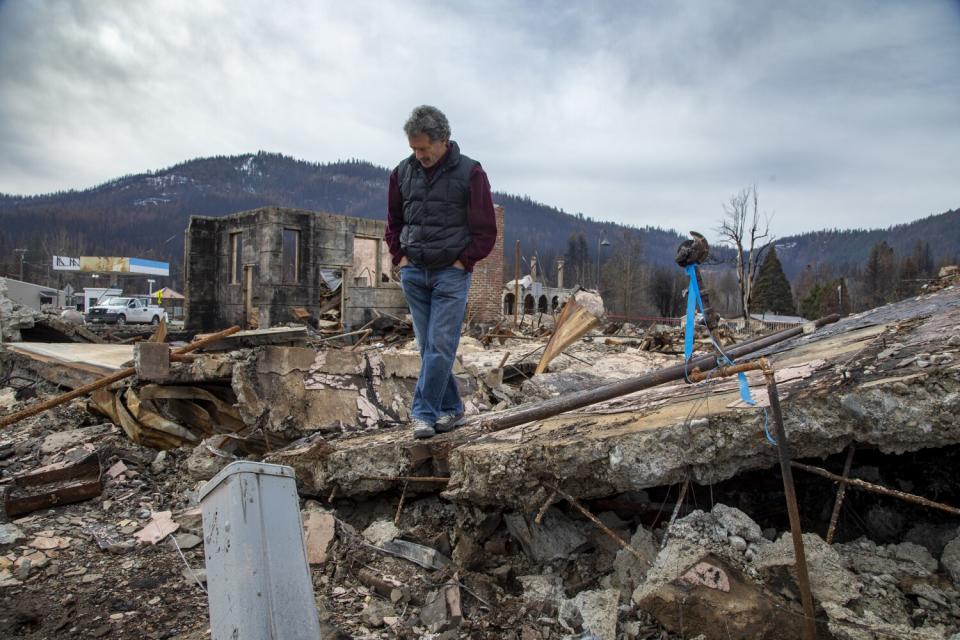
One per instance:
(599, 489)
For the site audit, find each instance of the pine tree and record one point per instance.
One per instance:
(880, 275)
(923, 259)
(810, 305)
(577, 259)
(834, 298)
(771, 292)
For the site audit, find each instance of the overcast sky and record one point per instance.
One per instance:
(845, 114)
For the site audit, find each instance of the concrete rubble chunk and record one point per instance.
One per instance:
(542, 589)
(932, 537)
(716, 599)
(375, 611)
(737, 523)
(830, 580)
(597, 610)
(930, 593)
(910, 552)
(10, 535)
(319, 529)
(8, 398)
(441, 611)
(380, 532)
(205, 461)
(187, 540)
(628, 569)
(950, 559)
(60, 440)
(557, 536)
(846, 624)
(866, 557)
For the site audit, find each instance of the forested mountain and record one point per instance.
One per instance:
(846, 251)
(145, 215)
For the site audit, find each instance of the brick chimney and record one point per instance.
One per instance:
(486, 285)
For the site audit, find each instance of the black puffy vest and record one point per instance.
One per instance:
(435, 230)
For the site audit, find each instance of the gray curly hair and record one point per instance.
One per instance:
(430, 121)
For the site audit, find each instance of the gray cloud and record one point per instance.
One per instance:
(845, 114)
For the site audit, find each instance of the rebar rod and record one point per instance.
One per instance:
(841, 494)
(676, 510)
(595, 520)
(875, 488)
(793, 511)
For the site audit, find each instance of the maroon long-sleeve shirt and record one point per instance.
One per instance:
(481, 219)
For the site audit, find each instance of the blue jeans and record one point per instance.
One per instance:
(438, 301)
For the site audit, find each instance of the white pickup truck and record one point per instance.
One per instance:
(125, 310)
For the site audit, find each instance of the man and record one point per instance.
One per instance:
(440, 222)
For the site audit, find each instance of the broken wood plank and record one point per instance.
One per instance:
(55, 484)
(13, 418)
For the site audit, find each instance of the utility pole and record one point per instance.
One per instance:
(601, 242)
(23, 255)
(516, 284)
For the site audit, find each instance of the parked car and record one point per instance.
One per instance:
(122, 311)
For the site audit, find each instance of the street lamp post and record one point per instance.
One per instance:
(601, 242)
(23, 255)
(150, 282)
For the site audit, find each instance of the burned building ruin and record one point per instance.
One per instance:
(255, 268)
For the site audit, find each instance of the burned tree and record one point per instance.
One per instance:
(749, 233)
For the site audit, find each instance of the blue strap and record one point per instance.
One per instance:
(693, 299)
(693, 302)
(766, 429)
(745, 390)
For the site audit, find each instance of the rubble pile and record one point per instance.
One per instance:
(13, 317)
(22, 323)
(563, 527)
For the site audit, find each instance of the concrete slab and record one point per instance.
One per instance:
(833, 387)
(95, 358)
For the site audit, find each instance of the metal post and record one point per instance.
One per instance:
(601, 242)
(516, 285)
(783, 449)
(23, 255)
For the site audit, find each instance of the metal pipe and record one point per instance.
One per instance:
(841, 493)
(723, 372)
(783, 450)
(33, 410)
(539, 411)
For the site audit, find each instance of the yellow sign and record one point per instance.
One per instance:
(104, 265)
